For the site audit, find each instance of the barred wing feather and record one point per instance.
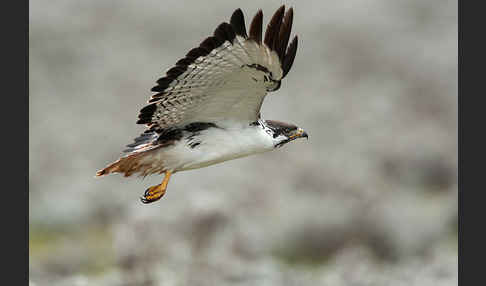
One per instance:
(227, 76)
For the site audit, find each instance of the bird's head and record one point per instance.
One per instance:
(283, 133)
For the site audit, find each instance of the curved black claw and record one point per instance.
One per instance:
(144, 200)
(146, 193)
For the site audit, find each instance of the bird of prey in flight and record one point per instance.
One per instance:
(206, 109)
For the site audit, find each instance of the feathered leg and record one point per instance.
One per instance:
(154, 193)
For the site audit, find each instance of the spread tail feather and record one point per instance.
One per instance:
(130, 165)
(125, 165)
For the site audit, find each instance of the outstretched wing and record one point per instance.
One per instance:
(227, 76)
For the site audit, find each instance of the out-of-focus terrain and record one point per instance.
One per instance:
(369, 199)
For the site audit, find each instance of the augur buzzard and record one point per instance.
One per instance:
(206, 109)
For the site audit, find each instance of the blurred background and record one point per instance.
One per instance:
(369, 199)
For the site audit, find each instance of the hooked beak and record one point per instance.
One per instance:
(299, 134)
(304, 134)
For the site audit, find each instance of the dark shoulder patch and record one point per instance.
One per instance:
(169, 135)
(199, 126)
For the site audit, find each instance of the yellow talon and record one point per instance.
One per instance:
(154, 193)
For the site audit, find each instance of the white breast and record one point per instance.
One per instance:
(217, 145)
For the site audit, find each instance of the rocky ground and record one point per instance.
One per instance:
(369, 199)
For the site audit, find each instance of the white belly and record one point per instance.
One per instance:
(216, 145)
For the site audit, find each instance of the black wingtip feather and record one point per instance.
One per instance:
(229, 31)
(209, 43)
(146, 113)
(154, 99)
(224, 32)
(183, 62)
(176, 71)
(284, 34)
(238, 23)
(256, 27)
(196, 53)
(149, 109)
(289, 56)
(158, 88)
(162, 83)
(273, 28)
(143, 121)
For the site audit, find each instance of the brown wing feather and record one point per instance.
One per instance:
(284, 34)
(256, 27)
(273, 28)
